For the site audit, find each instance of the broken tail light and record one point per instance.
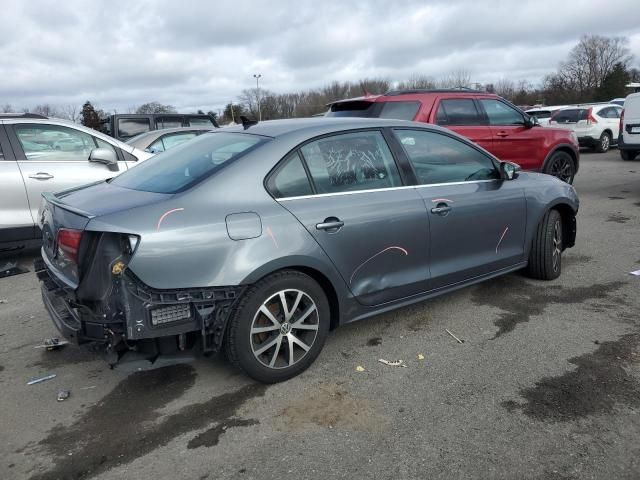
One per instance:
(68, 241)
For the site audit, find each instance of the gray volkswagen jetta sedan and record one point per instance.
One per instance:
(261, 239)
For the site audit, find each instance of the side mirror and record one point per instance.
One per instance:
(509, 170)
(106, 157)
(530, 122)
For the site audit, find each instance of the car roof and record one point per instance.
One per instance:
(417, 92)
(154, 134)
(319, 125)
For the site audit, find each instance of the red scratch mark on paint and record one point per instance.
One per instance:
(442, 200)
(270, 233)
(165, 214)
(501, 237)
(374, 256)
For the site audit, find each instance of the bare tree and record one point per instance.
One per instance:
(6, 108)
(416, 82)
(70, 112)
(155, 107)
(45, 109)
(505, 87)
(456, 79)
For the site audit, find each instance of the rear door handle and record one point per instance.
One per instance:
(442, 209)
(41, 176)
(502, 134)
(330, 224)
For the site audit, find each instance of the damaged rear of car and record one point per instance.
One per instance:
(90, 237)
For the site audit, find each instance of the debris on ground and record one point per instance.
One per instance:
(359, 369)
(456, 338)
(33, 381)
(52, 343)
(3, 300)
(88, 388)
(420, 356)
(63, 395)
(393, 363)
(10, 268)
(635, 273)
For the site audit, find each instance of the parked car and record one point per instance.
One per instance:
(263, 238)
(487, 119)
(125, 126)
(618, 101)
(596, 126)
(39, 154)
(158, 141)
(543, 114)
(629, 139)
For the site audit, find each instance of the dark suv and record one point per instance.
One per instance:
(487, 119)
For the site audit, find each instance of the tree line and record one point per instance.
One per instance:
(596, 69)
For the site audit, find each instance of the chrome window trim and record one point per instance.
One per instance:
(404, 187)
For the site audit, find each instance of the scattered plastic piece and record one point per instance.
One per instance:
(3, 300)
(88, 388)
(636, 273)
(33, 381)
(52, 343)
(457, 339)
(63, 395)
(393, 363)
(359, 369)
(420, 356)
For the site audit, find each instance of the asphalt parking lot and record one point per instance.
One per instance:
(545, 386)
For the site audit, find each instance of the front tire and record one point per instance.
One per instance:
(604, 143)
(562, 166)
(279, 327)
(545, 258)
(628, 155)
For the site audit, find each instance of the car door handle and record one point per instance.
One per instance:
(442, 209)
(41, 176)
(502, 134)
(330, 224)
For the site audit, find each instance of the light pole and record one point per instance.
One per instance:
(257, 77)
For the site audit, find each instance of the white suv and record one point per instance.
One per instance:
(629, 141)
(596, 126)
(40, 154)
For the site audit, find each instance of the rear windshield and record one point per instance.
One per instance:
(394, 110)
(182, 167)
(572, 115)
(539, 113)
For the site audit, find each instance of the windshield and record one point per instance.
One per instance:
(573, 115)
(182, 167)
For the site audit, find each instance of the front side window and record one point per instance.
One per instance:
(438, 158)
(53, 142)
(500, 113)
(458, 111)
(351, 161)
(186, 165)
(130, 127)
(290, 180)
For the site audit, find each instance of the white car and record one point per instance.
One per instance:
(629, 141)
(40, 154)
(597, 126)
(543, 114)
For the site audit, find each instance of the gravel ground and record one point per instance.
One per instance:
(545, 386)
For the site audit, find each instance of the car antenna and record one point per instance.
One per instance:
(246, 123)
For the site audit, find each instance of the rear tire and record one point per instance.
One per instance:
(561, 165)
(604, 143)
(545, 258)
(271, 343)
(628, 154)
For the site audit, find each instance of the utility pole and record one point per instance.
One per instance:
(257, 77)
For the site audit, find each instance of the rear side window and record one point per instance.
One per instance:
(168, 122)
(352, 161)
(438, 158)
(572, 115)
(290, 180)
(399, 110)
(130, 127)
(351, 109)
(182, 167)
(458, 111)
(500, 113)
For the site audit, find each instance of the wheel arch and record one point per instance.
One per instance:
(568, 215)
(329, 281)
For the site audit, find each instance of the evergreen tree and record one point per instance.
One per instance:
(89, 117)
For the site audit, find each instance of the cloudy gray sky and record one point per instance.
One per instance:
(201, 54)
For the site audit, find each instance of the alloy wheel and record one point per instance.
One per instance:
(284, 328)
(604, 143)
(562, 167)
(557, 245)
